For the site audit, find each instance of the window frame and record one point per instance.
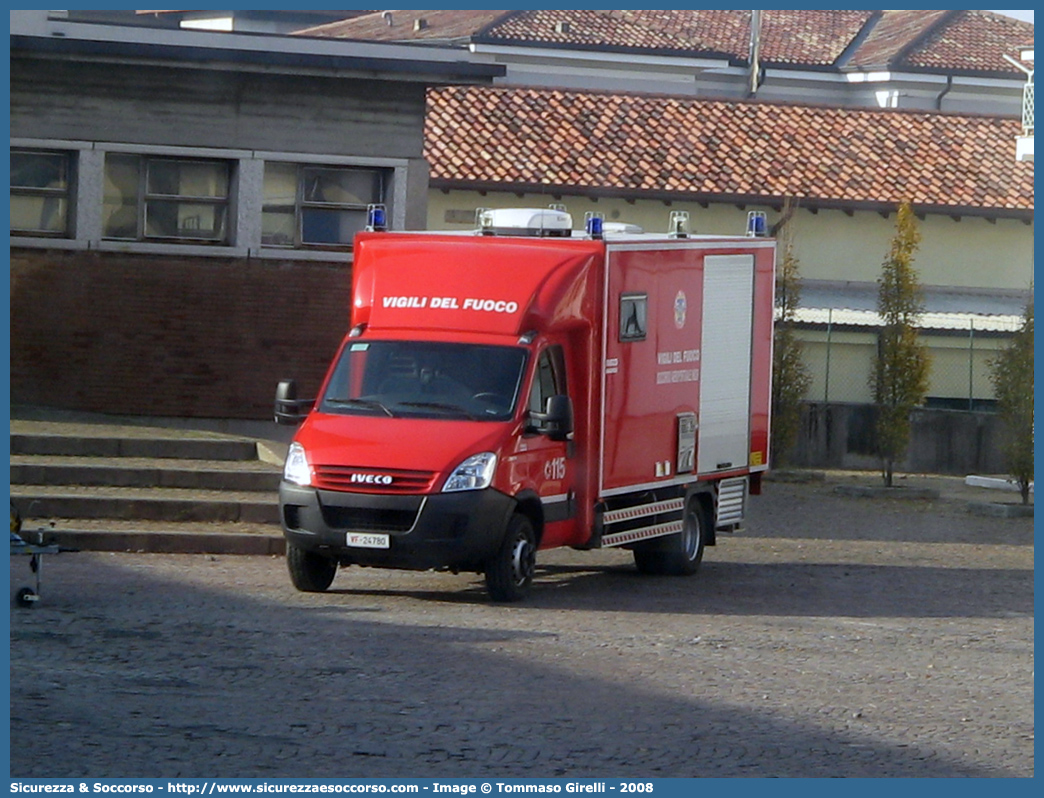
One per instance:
(302, 204)
(66, 194)
(640, 300)
(86, 213)
(144, 197)
(551, 358)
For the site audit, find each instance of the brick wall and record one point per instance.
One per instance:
(170, 336)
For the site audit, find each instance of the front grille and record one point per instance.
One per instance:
(385, 481)
(367, 519)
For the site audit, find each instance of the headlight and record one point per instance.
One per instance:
(296, 468)
(475, 473)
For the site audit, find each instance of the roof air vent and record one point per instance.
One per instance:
(562, 27)
(525, 222)
(420, 24)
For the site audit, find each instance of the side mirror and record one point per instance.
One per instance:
(557, 420)
(288, 408)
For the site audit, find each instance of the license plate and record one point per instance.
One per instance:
(368, 540)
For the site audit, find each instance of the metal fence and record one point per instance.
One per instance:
(840, 359)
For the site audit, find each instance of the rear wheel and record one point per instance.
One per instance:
(310, 572)
(680, 554)
(510, 573)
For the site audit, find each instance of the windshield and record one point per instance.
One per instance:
(422, 378)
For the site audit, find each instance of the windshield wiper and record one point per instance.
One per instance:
(448, 408)
(371, 403)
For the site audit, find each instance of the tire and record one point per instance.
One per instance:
(26, 597)
(309, 572)
(510, 573)
(647, 560)
(680, 554)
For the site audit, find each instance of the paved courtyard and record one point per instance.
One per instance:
(834, 637)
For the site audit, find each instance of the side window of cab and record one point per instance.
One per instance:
(549, 379)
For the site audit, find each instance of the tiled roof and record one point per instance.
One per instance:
(792, 37)
(973, 41)
(938, 41)
(942, 41)
(892, 34)
(515, 139)
(409, 25)
(658, 31)
(809, 38)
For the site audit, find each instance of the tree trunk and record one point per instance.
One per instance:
(889, 471)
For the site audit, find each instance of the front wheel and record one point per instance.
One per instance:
(680, 554)
(310, 572)
(510, 573)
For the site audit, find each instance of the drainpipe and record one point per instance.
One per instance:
(943, 93)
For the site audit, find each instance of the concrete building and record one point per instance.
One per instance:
(183, 203)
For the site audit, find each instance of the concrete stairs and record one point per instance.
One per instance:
(113, 487)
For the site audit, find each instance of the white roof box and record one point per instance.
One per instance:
(622, 228)
(525, 222)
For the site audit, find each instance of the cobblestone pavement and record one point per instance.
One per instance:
(835, 637)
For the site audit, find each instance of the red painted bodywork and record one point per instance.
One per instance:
(535, 292)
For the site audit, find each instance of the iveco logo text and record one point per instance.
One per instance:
(372, 479)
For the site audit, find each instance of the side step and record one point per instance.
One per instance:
(146, 504)
(656, 509)
(139, 473)
(664, 516)
(118, 487)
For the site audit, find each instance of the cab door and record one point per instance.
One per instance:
(541, 464)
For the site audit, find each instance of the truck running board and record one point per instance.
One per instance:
(629, 514)
(665, 516)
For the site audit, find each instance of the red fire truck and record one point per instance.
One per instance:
(527, 386)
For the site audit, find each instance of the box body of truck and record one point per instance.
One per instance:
(500, 394)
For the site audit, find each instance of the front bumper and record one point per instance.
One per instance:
(456, 531)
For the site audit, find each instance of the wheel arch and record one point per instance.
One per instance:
(703, 492)
(528, 504)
